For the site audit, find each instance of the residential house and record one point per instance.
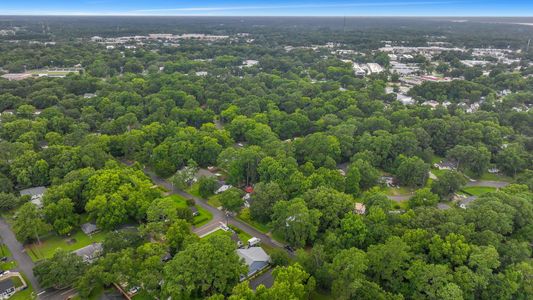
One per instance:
(90, 253)
(255, 258)
(36, 195)
(223, 188)
(89, 228)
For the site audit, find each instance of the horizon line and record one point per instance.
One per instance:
(272, 16)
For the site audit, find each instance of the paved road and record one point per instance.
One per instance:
(25, 265)
(24, 262)
(218, 216)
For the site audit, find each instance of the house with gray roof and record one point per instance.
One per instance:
(89, 228)
(255, 258)
(90, 253)
(36, 195)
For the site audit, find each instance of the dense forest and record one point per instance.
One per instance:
(310, 137)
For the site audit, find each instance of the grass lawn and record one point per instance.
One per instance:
(437, 172)
(10, 264)
(478, 190)
(435, 159)
(194, 190)
(213, 201)
(244, 216)
(217, 232)
(495, 177)
(203, 218)
(25, 294)
(402, 190)
(242, 235)
(49, 244)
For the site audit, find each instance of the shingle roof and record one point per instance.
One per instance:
(34, 191)
(253, 254)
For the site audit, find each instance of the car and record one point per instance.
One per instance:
(254, 241)
(289, 248)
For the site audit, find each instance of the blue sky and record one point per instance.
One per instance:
(271, 8)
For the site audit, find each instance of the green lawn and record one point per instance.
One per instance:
(213, 201)
(9, 265)
(52, 242)
(242, 235)
(393, 191)
(194, 190)
(495, 177)
(25, 294)
(203, 218)
(244, 216)
(478, 190)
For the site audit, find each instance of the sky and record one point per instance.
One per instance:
(270, 8)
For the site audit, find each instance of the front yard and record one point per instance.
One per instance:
(52, 242)
(202, 218)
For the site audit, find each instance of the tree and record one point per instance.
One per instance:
(412, 171)
(8, 201)
(347, 271)
(319, 149)
(279, 257)
(297, 223)
(333, 206)
(371, 174)
(207, 186)
(423, 197)
(60, 271)
(474, 159)
(429, 280)
(511, 159)
(264, 197)
(353, 179)
(178, 235)
(202, 269)
(29, 223)
(447, 184)
(388, 262)
(185, 177)
(61, 215)
(231, 200)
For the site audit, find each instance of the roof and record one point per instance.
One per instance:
(88, 228)
(34, 191)
(6, 285)
(253, 254)
(89, 251)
